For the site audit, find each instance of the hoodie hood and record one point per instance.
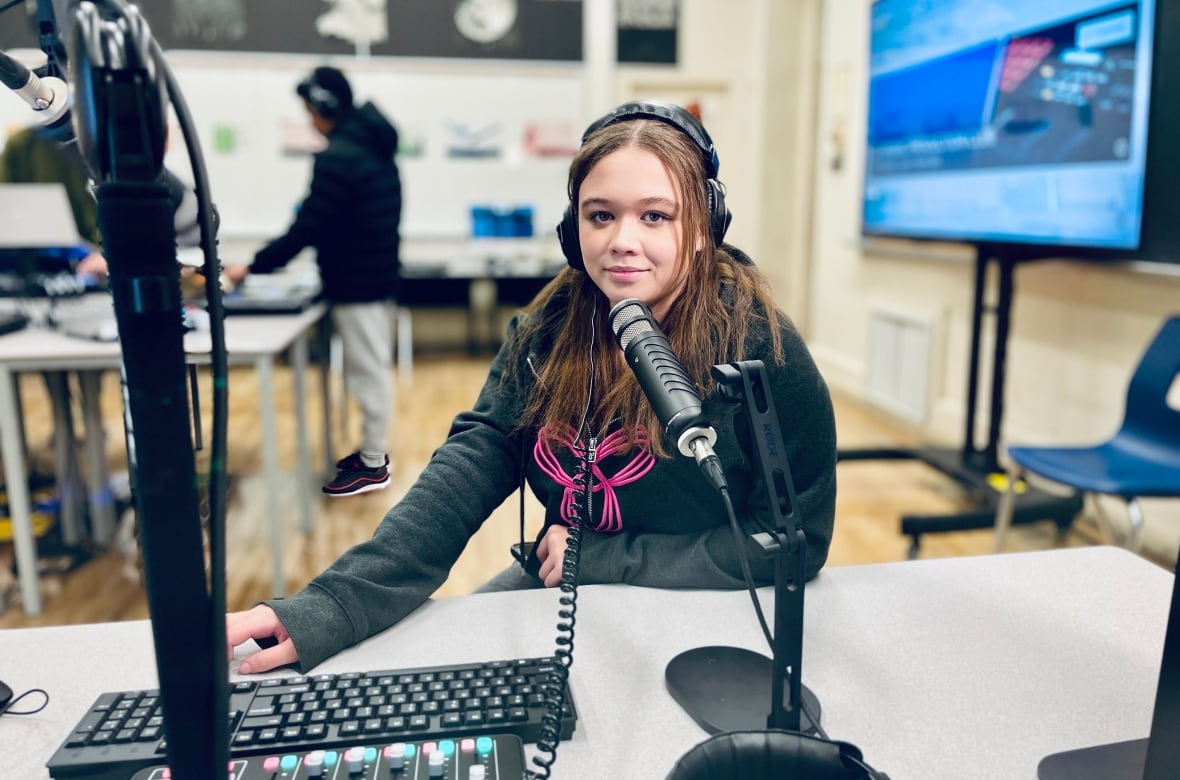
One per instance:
(366, 126)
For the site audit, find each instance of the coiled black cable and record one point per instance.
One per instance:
(553, 690)
(556, 683)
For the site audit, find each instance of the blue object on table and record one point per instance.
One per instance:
(483, 221)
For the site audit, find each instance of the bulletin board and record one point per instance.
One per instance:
(468, 137)
(471, 134)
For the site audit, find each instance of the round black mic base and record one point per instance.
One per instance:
(729, 689)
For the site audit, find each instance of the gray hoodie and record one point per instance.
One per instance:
(656, 522)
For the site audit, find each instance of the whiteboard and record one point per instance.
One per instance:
(247, 119)
(247, 112)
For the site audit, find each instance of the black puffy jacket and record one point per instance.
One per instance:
(352, 213)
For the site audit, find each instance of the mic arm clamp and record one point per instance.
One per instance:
(745, 384)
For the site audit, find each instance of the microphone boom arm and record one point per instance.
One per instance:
(745, 383)
(119, 114)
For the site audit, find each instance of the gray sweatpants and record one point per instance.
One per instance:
(366, 335)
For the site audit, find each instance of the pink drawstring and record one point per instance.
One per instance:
(638, 466)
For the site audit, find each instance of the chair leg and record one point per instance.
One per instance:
(1105, 529)
(405, 343)
(336, 361)
(1135, 538)
(1006, 508)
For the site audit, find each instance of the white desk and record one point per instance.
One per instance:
(249, 339)
(432, 268)
(964, 668)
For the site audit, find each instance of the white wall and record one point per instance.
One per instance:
(256, 186)
(1077, 329)
(249, 100)
(750, 65)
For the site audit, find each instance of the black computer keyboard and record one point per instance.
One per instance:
(269, 300)
(123, 732)
(11, 321)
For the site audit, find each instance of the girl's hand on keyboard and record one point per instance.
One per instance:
(262, 625)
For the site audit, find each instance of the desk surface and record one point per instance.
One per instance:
(964, 667)
(245, 339)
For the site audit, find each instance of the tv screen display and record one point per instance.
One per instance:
(1009, 121)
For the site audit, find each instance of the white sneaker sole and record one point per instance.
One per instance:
(358, 491)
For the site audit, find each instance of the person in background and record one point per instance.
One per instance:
(351, 217)
(31, 156)
(646, 220)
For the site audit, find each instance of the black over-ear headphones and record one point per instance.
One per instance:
(763, 755)
(325, 103)
(685, 122)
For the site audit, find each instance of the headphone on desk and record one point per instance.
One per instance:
(685, 122)
(759, 755)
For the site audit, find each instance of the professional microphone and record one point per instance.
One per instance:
(48, 96)
(666, 385)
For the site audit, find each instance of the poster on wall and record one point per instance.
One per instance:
(647, 31)
(549, 30)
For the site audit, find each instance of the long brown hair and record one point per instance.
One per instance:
(703, 327)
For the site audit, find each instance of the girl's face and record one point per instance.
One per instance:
(629, 229)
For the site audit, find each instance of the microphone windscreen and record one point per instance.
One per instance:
(630, 319)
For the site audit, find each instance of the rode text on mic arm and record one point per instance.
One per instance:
(667, 386)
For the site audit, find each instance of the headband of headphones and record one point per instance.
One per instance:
(682, 120)
(327, 90)
(670, 114)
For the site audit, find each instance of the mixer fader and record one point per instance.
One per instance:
(495, 757)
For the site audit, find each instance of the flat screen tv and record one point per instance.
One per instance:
(1010, 121)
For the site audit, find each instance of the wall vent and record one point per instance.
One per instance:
(897, 373)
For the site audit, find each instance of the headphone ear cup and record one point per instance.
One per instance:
(324, 101)
(764, 755)
(719, 214)
(567, 236)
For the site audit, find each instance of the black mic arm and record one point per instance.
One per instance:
(49, 40)
(120, 122)
(745, 383)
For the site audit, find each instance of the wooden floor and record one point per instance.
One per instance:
(872, 496)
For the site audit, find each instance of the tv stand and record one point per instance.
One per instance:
(977, 469)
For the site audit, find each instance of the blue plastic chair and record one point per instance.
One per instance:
(1141, 460)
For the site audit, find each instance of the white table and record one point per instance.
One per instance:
(249, 339)
(481, 265)
(964, 668)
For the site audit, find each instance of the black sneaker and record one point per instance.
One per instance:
(352, 481)
(352, 462)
